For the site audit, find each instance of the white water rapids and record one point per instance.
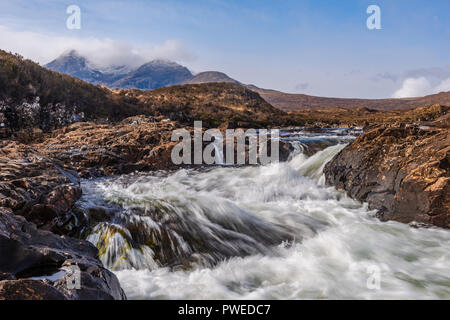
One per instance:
(263, 232)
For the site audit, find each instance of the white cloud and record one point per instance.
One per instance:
(417, 87)
(413, 87)
(443, 86)
(43, 48)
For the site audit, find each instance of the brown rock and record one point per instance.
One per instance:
(401, 170)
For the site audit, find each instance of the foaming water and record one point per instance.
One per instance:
(266, 232)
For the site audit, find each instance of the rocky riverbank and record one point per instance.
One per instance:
(39, 185)
(36, 196)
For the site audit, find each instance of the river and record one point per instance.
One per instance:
(261, 232)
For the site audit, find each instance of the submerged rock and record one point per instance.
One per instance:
(400, 170)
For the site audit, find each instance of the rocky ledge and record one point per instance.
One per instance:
(36, 261)
(401, 170)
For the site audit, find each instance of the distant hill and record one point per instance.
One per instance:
(211, 76)
(291, 102)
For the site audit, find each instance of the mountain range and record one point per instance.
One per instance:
(163, 73)
(151, 75)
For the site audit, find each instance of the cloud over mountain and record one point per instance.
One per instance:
(100, 52)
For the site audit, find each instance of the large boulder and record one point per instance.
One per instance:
(37, 264)
(400, 170)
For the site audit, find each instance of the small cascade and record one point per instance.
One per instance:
(312, 167)
(218, 150)
(161, 215)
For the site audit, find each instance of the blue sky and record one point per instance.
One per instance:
(319, 47)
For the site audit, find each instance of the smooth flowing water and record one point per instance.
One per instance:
(260, 232)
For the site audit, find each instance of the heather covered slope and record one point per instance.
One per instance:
(213, 103)
(342, 117)
(34, 97)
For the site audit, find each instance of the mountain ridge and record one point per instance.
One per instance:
(295, 101)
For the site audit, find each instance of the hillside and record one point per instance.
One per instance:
(32, 97)
(344, 117)
(31, 94)
(288, 101)
(214, 103)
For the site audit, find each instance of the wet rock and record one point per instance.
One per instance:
(55, 204)
(29, 253)
(98, 214)
(400, 170)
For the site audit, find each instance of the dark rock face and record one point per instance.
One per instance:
(403, 171)
(38, 264)
(28, 120)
